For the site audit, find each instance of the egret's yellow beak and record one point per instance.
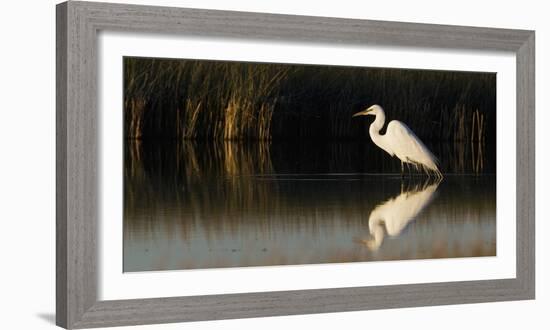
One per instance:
(362, 113)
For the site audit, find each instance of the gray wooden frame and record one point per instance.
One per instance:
(77, 158)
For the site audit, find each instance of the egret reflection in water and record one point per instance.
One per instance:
(393, 215)
(211, 206)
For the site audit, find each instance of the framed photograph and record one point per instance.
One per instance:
(215, 165)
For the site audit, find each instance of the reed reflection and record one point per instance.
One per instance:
(194, 205)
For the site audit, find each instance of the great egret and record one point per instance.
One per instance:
(400, 141)
(396, 213)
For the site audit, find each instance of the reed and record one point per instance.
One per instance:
(213, 100)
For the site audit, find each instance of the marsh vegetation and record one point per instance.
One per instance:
(210, 100)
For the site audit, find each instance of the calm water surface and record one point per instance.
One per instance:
(192, 205)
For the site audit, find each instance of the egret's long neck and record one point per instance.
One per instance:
(374, 129)
(376, 229)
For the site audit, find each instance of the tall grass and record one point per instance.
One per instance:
(213, 100)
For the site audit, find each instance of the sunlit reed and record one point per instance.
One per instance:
(194, 99)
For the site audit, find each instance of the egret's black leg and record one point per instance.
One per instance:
(408, 177)
(402, 170)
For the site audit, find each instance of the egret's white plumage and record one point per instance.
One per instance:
(400, 141)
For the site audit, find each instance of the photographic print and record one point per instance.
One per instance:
(235, 164)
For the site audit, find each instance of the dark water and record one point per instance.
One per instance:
(197, 205)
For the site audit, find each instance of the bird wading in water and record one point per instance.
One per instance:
(400, 141)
